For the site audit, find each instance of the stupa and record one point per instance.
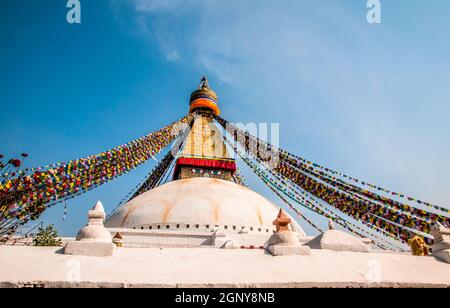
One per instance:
(205, 229)
(202, 199)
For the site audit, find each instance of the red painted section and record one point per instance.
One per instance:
(228, 165)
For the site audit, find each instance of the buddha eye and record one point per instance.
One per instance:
(216, 172)
(197, 170)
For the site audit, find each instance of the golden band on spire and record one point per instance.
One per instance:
(204, 98)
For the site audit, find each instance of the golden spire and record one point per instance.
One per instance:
(204, 98)
(204, 83)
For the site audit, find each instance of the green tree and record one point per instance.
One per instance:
(47, 237)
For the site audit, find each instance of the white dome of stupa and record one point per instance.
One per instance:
(199, 203)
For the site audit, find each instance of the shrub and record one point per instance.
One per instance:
(47, 237)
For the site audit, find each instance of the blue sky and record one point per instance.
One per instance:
(370, 100)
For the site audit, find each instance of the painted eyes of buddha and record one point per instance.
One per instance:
(202, 171)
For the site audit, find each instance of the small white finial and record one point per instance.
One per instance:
(97, 214)
(98, 207)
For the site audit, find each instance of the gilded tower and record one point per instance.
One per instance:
(204, 153)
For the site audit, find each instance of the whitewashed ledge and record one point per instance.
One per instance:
(206, 267)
